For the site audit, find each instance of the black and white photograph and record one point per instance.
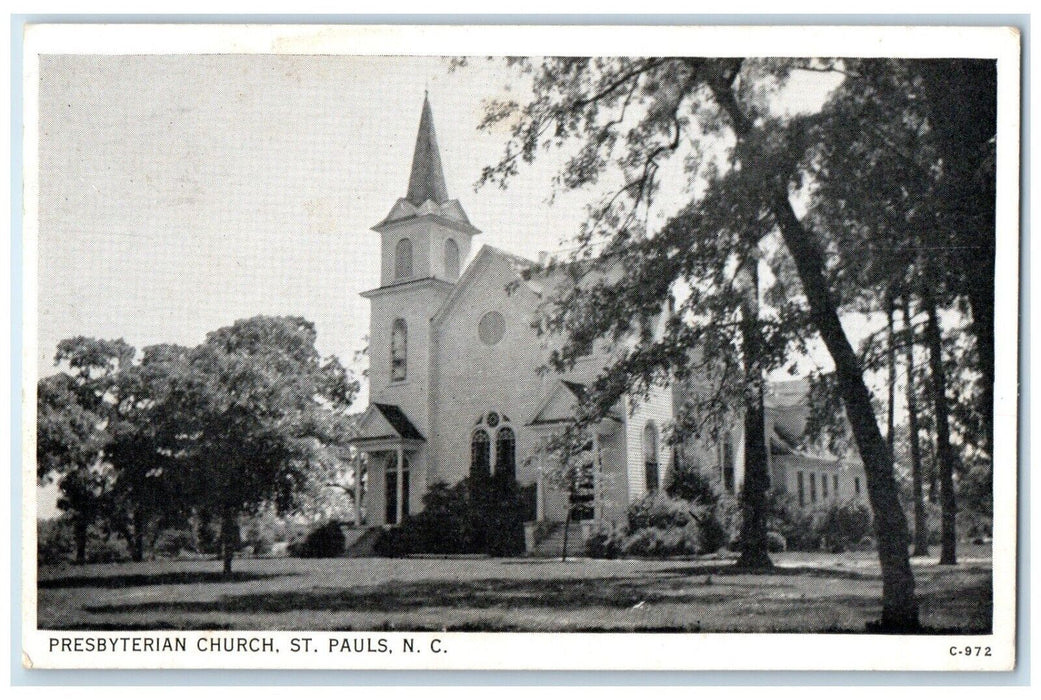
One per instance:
(444, 347)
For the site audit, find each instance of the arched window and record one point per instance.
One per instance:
(451, 259)
(403, 260)
(650, 456)
(506, 454)
(480, 455)
(398, 351)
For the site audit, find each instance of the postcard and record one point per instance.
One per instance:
(520, 347)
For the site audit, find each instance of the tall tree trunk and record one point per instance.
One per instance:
(80, 532)
(934, 478)
(567, 526)
(899, 604)
(228, 538)
(981, 300)
(944, 452)
(137, 541)
(754, 543)
(961, 99)
(921, 534)
(891, 401)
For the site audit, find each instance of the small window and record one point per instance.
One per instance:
(824, 486)
(403, 260)
(398, 351)
(802, 488)
(856, 484)
(451, 259)
(813, 487)
(650, 456)
(491, 328)
(480, 455)
(835, 484)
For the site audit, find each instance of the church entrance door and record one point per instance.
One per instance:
(391, 492)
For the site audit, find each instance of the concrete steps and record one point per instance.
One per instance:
(360, 542)
(551, 544)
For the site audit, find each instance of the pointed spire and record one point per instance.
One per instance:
(427, 180)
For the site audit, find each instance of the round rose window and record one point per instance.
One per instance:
(491, 328)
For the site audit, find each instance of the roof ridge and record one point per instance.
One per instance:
(508, 254)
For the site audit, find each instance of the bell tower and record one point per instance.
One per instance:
(426, 234)
(425, 239)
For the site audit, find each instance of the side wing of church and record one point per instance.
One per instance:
(454, 381)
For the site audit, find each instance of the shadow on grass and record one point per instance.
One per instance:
(396, 596)
(952, 601)
(715, 569)
(170, 578)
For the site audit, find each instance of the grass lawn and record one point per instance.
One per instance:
(807, 592)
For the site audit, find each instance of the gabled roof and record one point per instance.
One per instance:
(399, 421)
(781, 443)
(427, 180)
(560, 403)
(382, 421)
(579, 390)
(470, 275)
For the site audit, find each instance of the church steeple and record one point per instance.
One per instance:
(426, 235)
(427, 180)
(427, 193)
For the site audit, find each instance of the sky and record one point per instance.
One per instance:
(179, 193)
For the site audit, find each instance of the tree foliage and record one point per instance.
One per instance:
(834, 199)
(248, 419)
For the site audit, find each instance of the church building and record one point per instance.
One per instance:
(454, 384)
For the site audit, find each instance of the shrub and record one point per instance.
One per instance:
(501, 517)
(663, 542)
(841, 525)
(172, 542)
(792, 522)
(973, 526)
(605, 541)
(775, 542)
(106, 551)
(322, 542)
(262, 530)
(866, 544)
(686, 482)
(56, 544)
(834, 526)
(657, 510)
(207, 534)
(446, 525)
(659, 526)
(389, 543)
(54, 541)
(711, 531)
(471, 517)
